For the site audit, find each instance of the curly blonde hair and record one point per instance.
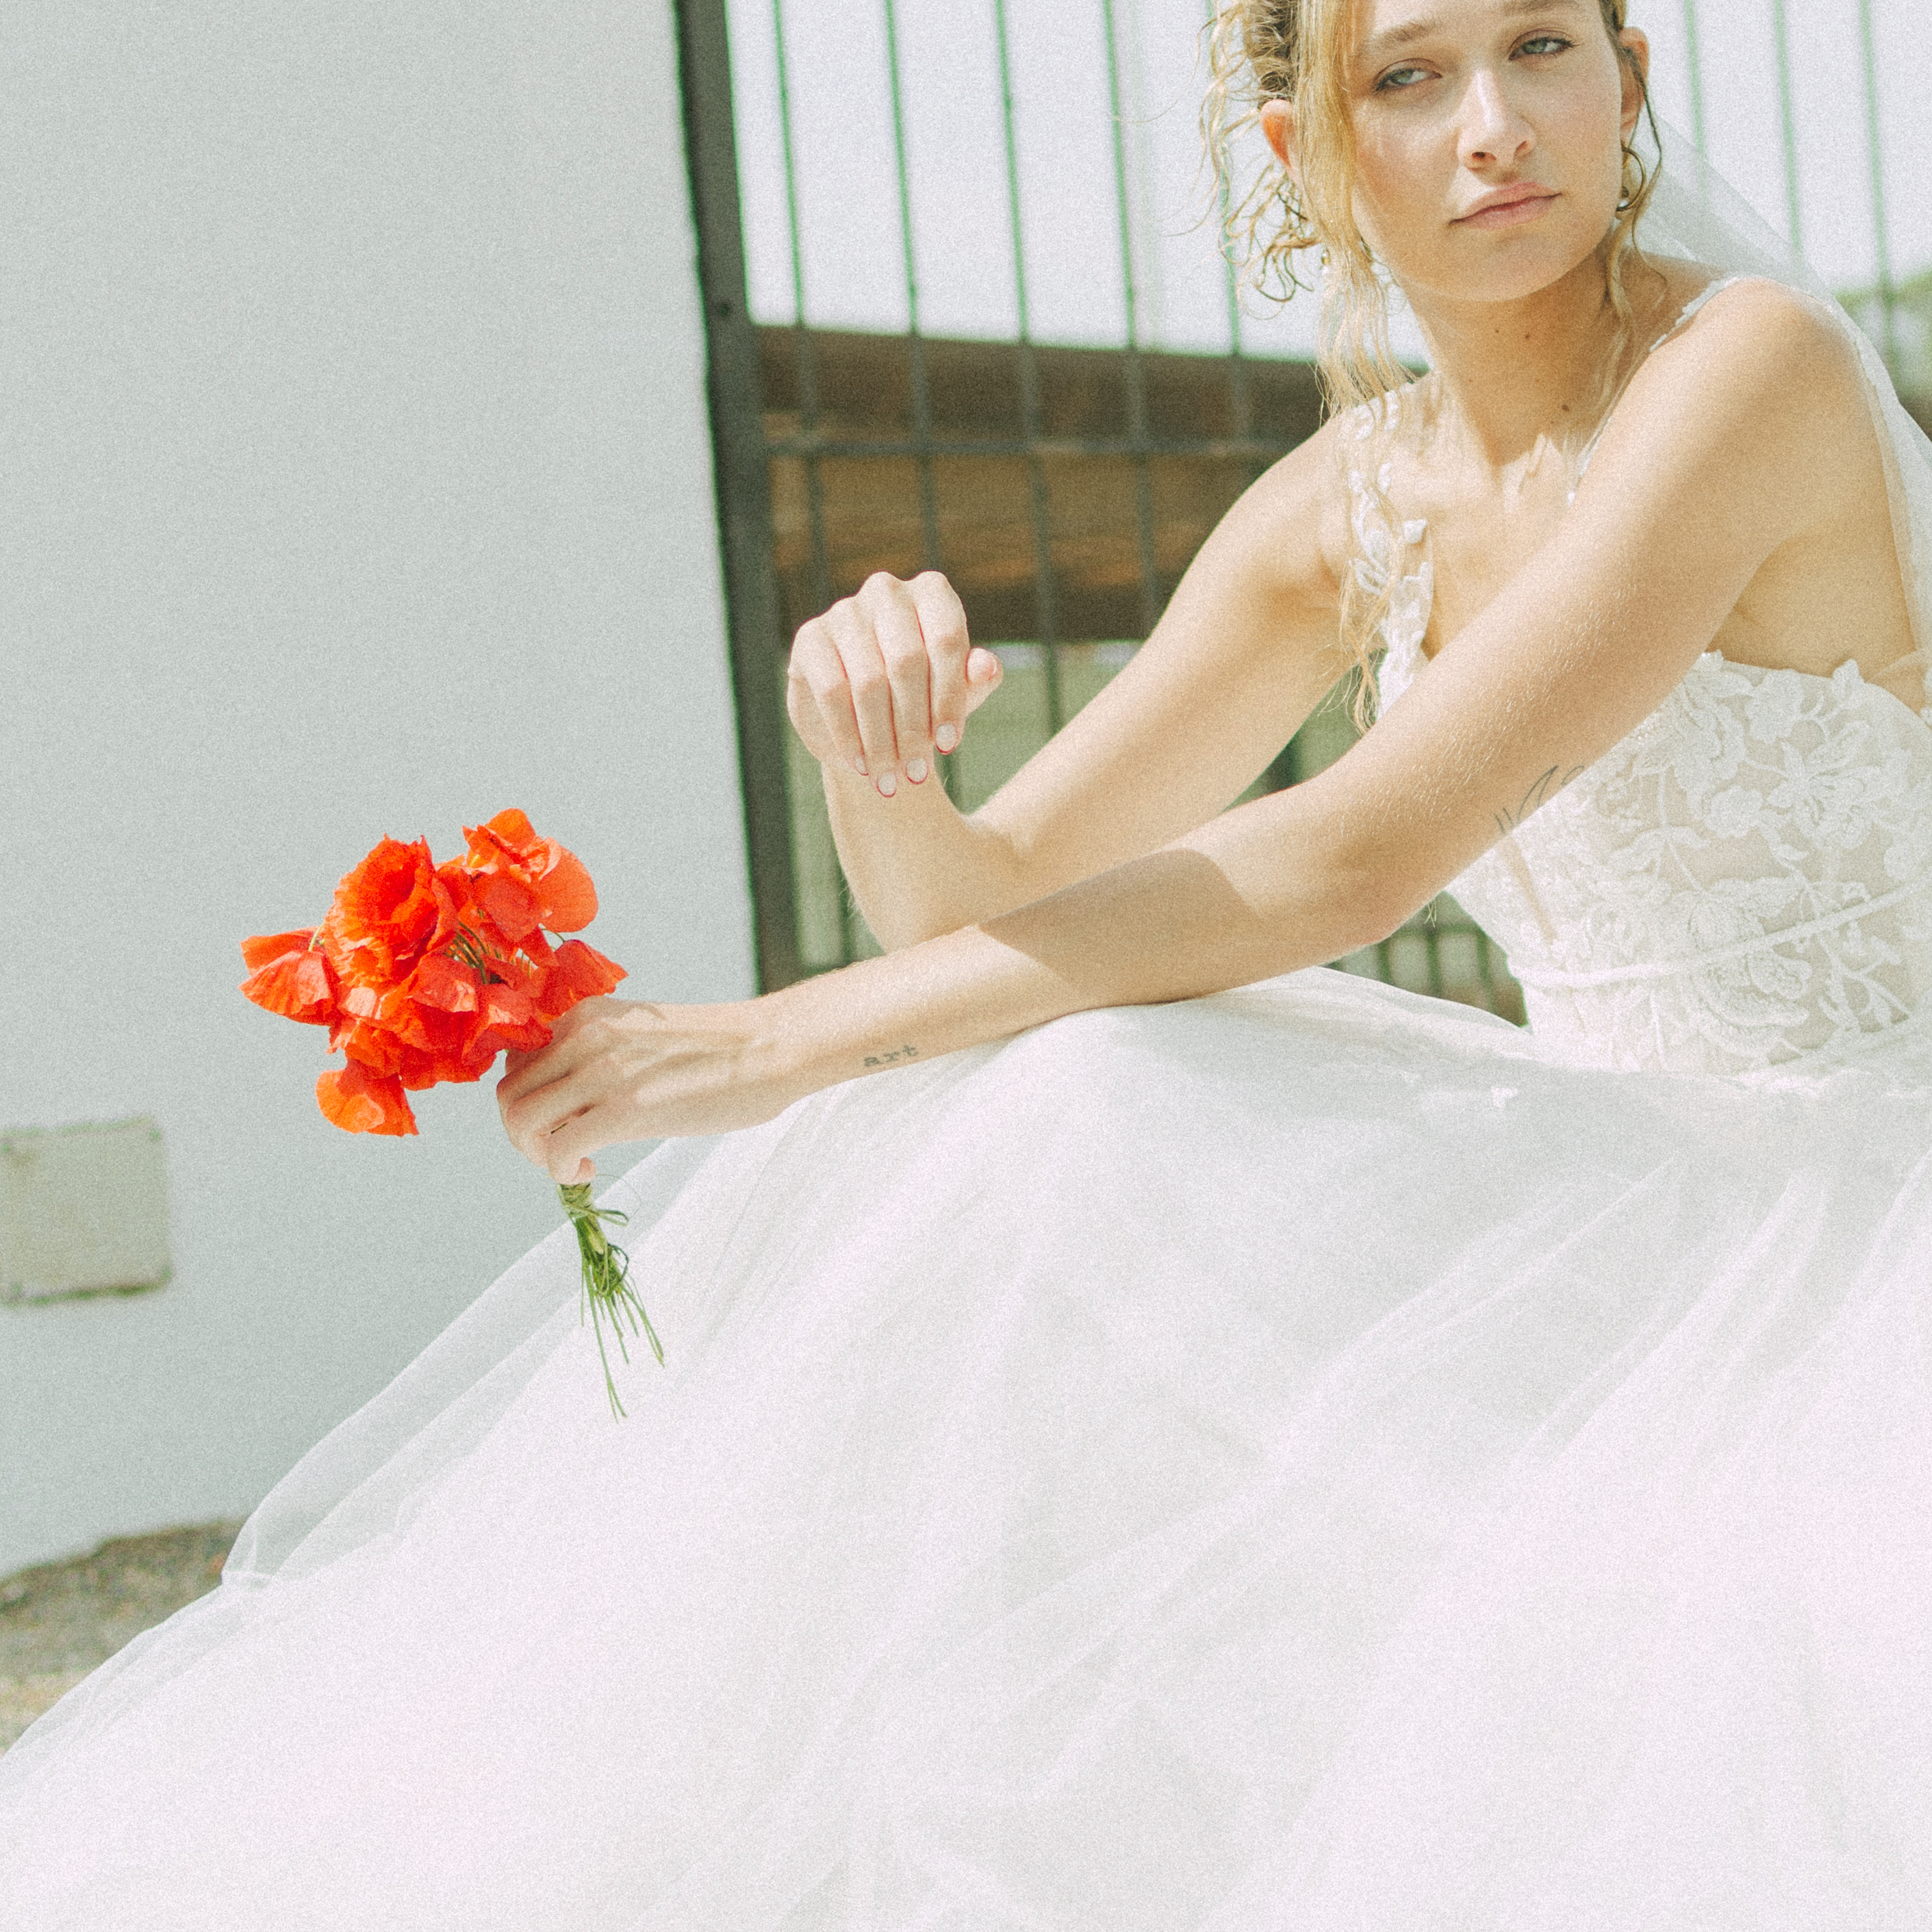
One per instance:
(1296, 51)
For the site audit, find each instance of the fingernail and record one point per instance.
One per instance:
(916, 771)
(946, 736)
(888, 784)
(858, 766)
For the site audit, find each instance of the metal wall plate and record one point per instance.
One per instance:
(83, 1211)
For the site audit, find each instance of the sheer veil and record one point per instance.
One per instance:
(354, 1488)
(1697, 215)
(357, 1485)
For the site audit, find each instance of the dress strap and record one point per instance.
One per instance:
(1682, 317)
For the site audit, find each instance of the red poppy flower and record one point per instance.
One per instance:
(520, 882)
(424, 973)
(387, 914)
(364, 1103)
(576, 971)
(289, 975)
(368, 1041)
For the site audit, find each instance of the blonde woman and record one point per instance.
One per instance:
(1158, 1437)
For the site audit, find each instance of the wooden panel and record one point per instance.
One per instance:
(988, 539)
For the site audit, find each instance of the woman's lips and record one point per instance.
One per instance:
(1508, 213)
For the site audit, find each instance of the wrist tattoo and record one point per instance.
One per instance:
(893, 1058)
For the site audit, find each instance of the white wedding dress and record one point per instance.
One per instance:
(1313, 1458)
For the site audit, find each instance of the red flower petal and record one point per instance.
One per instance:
(566, 900)
(445, 984)
(360, 1102)
(431, 1070)
(512, 827)
(296, 985)
(386, 913)
(510, 906)
(576, 972)
(511, 1020)
(268, 947)
(507, 846)
(375, 1047)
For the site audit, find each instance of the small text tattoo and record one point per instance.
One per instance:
(891, 1059)
(1545, 788)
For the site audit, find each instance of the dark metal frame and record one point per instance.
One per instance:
(744, 446)
(742, 481)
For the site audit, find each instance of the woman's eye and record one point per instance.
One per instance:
(1398, 79)
(1544, 43)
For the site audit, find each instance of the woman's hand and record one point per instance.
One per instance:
(631, 1070)
(883, 679)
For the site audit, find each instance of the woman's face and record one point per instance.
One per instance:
(1489, 140)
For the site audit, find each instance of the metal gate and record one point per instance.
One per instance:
(1062, 491)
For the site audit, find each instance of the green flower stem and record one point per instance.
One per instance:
(607, 1287)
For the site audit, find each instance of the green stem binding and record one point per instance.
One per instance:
(606, 1286)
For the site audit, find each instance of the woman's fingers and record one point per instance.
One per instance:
(543, 1093)
(984, 671)
(868, 686)
(942, 623)
(819, 697)
(557, 1126)
(887, 677)
(894, 618)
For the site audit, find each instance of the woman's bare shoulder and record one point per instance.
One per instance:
(1291, 525)
(1791, 347)
(1760, 389)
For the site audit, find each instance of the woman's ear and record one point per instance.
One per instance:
(1636, 75)
(1277, 120)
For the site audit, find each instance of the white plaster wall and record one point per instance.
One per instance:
(354, 479)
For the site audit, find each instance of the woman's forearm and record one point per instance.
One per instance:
(916, 866)
(1264, 888)
(1177, 923)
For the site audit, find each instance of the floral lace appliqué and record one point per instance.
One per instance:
(1744, 880)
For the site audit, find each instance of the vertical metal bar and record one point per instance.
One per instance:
(805, 350)
(1696, 73)
(1136, 374)
(1240, 398)
(922, 393)
(743, 482)
(1046, 600)
(806, 357)
(1888, 293)
(1284, 770)
(1787, 115)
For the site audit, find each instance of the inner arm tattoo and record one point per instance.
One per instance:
(1545, 788)
(894, 1058)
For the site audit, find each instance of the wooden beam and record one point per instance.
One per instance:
(1199, 463)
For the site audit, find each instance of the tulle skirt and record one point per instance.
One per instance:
(1298, 1459)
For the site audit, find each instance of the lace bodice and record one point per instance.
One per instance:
(1744, 880)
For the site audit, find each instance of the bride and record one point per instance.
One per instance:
(1156, 1437)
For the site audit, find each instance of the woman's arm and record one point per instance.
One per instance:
(1246, 650)
(1745, 433)
(1217, 908)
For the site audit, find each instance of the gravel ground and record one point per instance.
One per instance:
(58, 1621)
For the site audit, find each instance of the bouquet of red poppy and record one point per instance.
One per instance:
(425, 973)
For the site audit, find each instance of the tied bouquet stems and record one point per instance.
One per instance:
(424, 973)
(607, 1287)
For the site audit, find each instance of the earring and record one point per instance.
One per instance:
(1632, 196)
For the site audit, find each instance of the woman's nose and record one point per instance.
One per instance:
(1492, 130)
